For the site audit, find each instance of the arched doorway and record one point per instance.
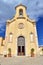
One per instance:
(21, 45)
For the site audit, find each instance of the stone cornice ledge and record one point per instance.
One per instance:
(21, 17)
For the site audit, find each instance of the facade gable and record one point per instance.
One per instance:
(21, 34)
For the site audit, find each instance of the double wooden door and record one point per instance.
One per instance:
(21, 50)
(21, 45)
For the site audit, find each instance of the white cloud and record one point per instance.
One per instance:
(12, 1)
(34, 8)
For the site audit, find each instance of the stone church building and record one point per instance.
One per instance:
(21, 35)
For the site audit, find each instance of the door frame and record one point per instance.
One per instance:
(24, 46)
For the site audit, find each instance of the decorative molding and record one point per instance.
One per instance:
(20, 25)
(10, 21)
(21, 18)
(30, 21)
(34, 23)
(20, 5)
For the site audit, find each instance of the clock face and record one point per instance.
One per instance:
(21, 25)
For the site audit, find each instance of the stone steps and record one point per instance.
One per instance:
(21, 60)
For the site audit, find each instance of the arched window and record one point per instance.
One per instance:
(10, 37)
(21, 41)
(31, 37)
(21, 12)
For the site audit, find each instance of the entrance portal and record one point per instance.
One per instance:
(21, 45)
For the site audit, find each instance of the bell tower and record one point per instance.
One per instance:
(20, 10)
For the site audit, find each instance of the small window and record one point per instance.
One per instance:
(31, 37)
(21, 12)
(10, 37)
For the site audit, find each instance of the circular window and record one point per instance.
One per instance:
(21, 26)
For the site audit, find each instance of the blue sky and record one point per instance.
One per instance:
(34, 10)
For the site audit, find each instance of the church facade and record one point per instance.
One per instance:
(21, 35)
